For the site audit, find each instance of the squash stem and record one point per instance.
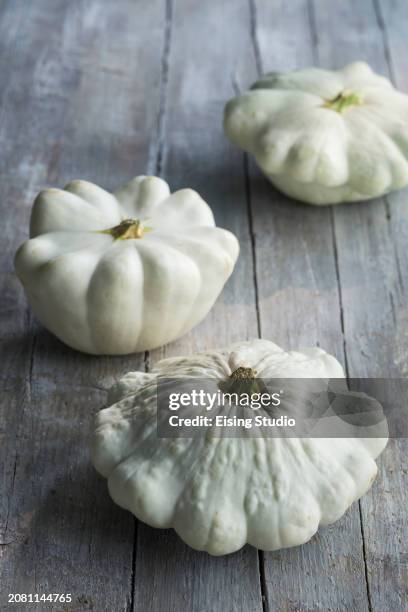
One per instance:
(128, 229)
(343, 101)
(242, 380)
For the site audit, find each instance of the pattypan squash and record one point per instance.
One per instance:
(123, 272)
(323, 136)
(217, 492)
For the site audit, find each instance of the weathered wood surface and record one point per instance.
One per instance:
(195, 154)
(70, 107)
(300, 306)
(104, 91)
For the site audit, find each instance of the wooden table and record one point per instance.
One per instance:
(104, 91)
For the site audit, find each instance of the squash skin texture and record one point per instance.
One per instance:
(102, 293)
(221, 493)
(314, 153)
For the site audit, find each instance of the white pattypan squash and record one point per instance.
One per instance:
(323, 136)
(123, 272)
(219, 493)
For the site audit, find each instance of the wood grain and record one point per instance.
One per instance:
(299, 304)
(71, 108)
(373, 277)
(195, 154)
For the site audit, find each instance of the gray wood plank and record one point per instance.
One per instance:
(299, 304)
(79, 86)
(373, 279)
(377, 335)
(206, 56)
